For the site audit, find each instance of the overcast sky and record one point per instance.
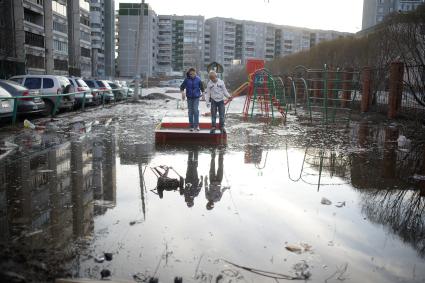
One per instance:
(340, 15)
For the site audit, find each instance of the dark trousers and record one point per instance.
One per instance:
(214, 107)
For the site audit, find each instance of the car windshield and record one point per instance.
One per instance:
(90, 84)
(101, 84)
(13, 85)
(81, 83)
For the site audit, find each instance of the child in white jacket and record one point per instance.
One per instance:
(214, 95)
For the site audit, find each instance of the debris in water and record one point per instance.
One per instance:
(108, 256)
(325, 201)
(268, 274)
(302, 270)
(340, 204)
(299, 249)
(99, 259)
(105, 273)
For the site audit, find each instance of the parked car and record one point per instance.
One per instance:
(48, 85)
(119, 92)
(171, 83)
(25, 105)
(101, 89)
(79, 85)
(6, 105)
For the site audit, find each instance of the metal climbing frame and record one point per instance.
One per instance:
(330, 94)
(266, 95)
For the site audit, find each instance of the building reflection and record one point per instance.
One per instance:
(47, 191)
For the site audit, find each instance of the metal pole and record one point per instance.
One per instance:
(139, 43)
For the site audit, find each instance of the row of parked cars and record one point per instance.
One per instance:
(93, 91)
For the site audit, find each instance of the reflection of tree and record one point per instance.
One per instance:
(401, 210)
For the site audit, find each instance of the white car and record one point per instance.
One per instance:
(48, 84)
(79, 85)
(6, 105)
(171, 83)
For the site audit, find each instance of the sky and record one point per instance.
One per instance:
(340, 15)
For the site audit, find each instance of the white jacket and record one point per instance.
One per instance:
(216, 91)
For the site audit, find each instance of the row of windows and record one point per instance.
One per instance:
(60, 46)
(61, 65)
(34, 39)
(85, 52)
(60, 27)
(34, 61)
(85, 36)
(85, 20)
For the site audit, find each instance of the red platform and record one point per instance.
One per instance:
(175, 130)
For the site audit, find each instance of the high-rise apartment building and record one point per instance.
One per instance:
(180, 43)
(102, 22)
(235, 41)
(374, 11)
(129, 16)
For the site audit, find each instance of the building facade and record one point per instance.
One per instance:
(180, 43)
(374, 11)
(130, 15)
(234, 41)
(102, 22)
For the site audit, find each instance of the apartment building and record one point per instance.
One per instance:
(180, 43)
(102, 22)
(129, 16)
(374, 11)
(234, 41)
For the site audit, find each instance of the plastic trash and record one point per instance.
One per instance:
(29, 125)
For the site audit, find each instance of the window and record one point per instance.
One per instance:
(33, 83)
(85, 20)
(34, 39)
(100, 84)
(48, 83)
(61, 65)
(81, 83)
(18, 80)
(59, 27)
(90, 84)
(33, 61)
(85, 52)
(60, 46)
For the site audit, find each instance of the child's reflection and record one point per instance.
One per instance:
(214, 191)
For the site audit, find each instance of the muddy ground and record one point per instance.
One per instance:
(281, 201)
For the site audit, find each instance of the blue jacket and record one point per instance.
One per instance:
(194, 87)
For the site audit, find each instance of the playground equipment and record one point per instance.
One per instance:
(330, 94)
(266, 96)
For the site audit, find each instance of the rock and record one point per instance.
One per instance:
(325, 201)
(108, 256)
(105, 273)
(178, 280)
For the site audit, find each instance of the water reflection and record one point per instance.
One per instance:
(214, 191)
(51, 190)
(193, 183)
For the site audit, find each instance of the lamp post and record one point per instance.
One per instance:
(129, 48)
(139, 43)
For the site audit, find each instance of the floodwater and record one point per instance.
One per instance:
(336, 204)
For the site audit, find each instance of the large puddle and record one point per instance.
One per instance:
(345, 204)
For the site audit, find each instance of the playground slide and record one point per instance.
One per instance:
(239, 91)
